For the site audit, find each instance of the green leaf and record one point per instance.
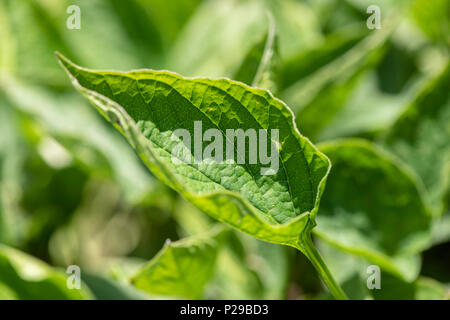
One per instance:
(421, 135)
(275, 208)
(353, 274)
(260, 66)
(373, 207)
(182, 268)
(302, 93)
(26, 277)
(323, 88)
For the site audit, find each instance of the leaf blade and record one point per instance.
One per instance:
(181, 268)
(30, 278)
(388, 226)
(159, 91)
(420, 138)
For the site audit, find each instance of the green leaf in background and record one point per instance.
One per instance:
(318, 98)
(182, 268)
(24, 277)
(421, 135)
(351, 87)
(366, 110)
(301, 93)
(389, 223)
(260, 66)
(352, 273)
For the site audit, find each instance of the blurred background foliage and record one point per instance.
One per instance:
(73, 192)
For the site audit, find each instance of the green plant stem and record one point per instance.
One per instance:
(309, 250)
